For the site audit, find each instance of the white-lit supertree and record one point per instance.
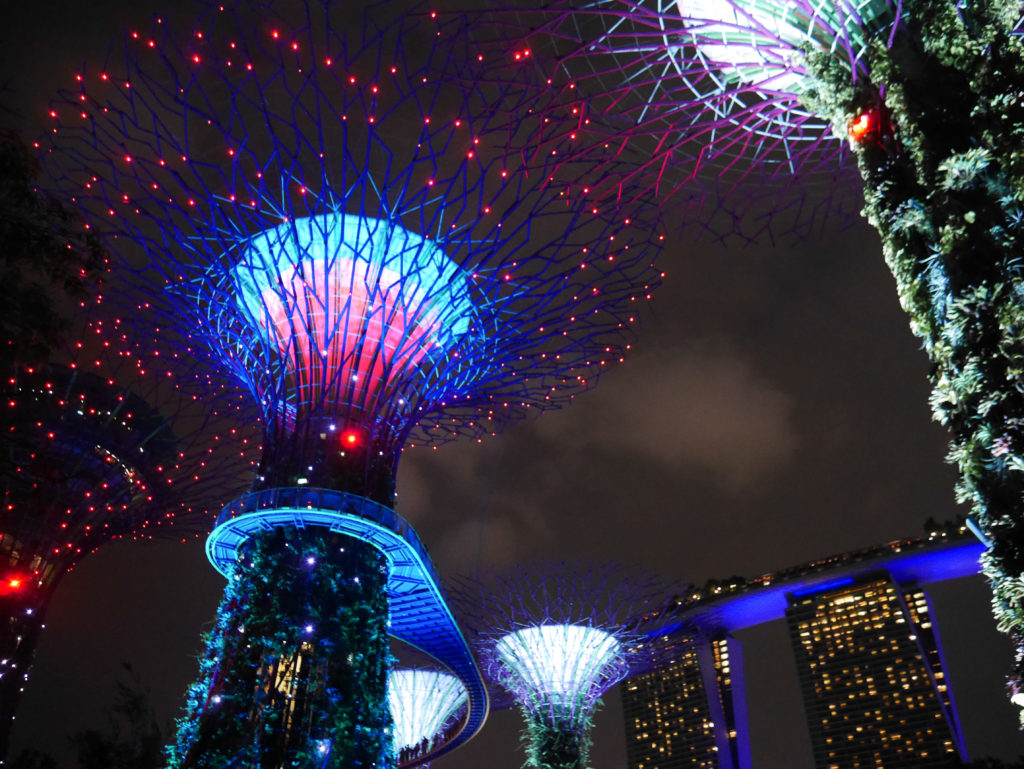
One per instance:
(557, 637)
(423, 704)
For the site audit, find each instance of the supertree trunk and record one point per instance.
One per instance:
(555, 746)
(299, 654)
(939, 151)
(23, 612)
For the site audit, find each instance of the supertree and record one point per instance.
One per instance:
(921, 96)
(423, 703)
(109, 443)
(556, 637)
(333, 212)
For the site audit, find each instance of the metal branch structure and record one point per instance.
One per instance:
(557, 637)
(924, 96)
(423, 705)
(699, 103)
(323, 203)
(109, 445)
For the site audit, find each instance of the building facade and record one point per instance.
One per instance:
(690, 713)
(871, 672)
(869, 662)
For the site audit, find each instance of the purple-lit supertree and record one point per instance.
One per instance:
(111, 443)
(423, 704)
(924, 96)
(556, 637)
(334, 213)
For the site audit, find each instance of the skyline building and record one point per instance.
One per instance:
(691, 713)
(872, 675)
(868, 661)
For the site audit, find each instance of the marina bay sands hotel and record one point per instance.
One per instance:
(868, 657)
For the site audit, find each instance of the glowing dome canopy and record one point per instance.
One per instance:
(422, 702)
(353, 304)
(558, 664)
(761, 41)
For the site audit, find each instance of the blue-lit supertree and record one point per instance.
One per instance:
(423, 704)
(107, 442)
(922, 97)
(556, 637)
(335, 214)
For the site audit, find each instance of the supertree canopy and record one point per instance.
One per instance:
(924, 95)
(695, 102)
(334, 213)
(107, 445)
(423, 703)
(557, 637)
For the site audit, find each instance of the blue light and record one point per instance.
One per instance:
(822, 587)
(352, 304)
(419, 613)
(757, 605)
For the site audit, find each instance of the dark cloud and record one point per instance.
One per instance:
(699, 406)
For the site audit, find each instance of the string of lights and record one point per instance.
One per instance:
(112, 443)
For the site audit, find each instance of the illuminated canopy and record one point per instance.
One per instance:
(556, 637)
(762, 41)
(422, 702)
(352, 303)
(339, 227)
(345, 231)
(558, 666)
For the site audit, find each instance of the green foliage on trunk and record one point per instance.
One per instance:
(554, 744)
(944, 187)
(294, 672)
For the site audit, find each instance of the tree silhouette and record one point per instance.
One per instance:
(47, 259)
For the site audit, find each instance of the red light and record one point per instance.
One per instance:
(350, 438)
(12, 584)
(862, 126)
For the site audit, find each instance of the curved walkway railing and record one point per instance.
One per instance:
(419, 614)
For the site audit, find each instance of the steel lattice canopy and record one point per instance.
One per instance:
(422, 702)
(420, 616)
(763, 40)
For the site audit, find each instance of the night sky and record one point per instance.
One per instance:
(774, 412)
